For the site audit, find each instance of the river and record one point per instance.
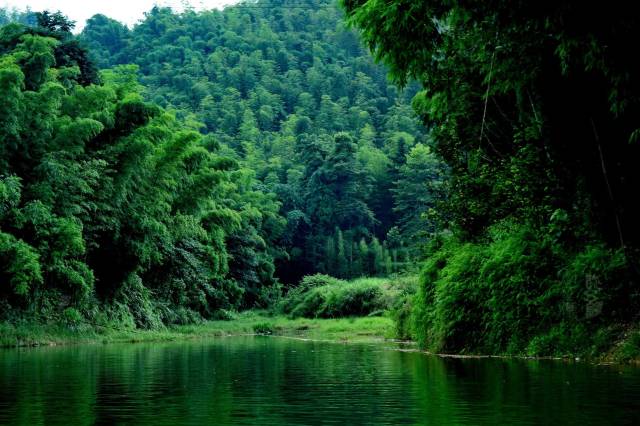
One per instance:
(278, 381)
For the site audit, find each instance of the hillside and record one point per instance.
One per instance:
(273, 83)
(201, 163)
(199, 160)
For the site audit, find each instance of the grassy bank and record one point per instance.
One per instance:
(321, 308)
(345, 330)
(366, 329)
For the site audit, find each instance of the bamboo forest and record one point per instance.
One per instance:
(319, 212)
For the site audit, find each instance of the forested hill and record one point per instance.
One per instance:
(291, 93)
(192, 164)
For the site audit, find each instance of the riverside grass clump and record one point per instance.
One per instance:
(353, 329)
(521, 292)
(323, 296)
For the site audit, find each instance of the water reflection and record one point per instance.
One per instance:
(251, 380)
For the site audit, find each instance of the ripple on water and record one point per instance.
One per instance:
(254, 380)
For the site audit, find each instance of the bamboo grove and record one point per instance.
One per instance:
(203, 162)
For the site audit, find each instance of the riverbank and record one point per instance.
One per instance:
(357, 329)
(374, 329)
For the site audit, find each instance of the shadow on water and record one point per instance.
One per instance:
(256, 380)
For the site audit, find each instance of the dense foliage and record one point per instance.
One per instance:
(322, 296)
(219, 153)
(533, 106)
(291, 94)
(262, 142)
(106, 200)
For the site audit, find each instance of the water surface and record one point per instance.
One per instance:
(275, 381)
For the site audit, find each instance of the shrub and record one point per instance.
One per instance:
(352, 299)
(71, 316)
(595, 285)
(630, 349)
(521, 291)
(225, 315)
(322, 296)
(294, 296)
(518, 274)
(402, 319)
(263, 328)
(318, 280)
(113, 316)
(137, 298)
(307, 304)
(269, 295)
(179, 315)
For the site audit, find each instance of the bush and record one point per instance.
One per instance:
(308, 304)
(137, 298)
(263, 328)
(294, 296)
(225, 315)
(402, 319)
(319, 280)
(71, 316)
(596, 285)
(457, 311)
(269, 295)
(518, 274)
(178, 315)
(522, 291)
(353, 299)
(630, 349)
(111, 316)
(322, 296)
(400, 298)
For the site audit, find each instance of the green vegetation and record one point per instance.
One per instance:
(533, 108)
(213, 162)
(291, 94)
(505, 296)
(359, 310)
(204, 163)
(321, 296)
(362, 330)
(111, 209)
(629, 349)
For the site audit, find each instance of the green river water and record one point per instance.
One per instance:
(277, 381)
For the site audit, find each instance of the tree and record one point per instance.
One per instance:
(342, 266)
(419, 190)
(273, 93)
(364, 260)
(377, 255)
(330, 255)
(530, 106)
(347, 186)
(110, 204)
(55, 22)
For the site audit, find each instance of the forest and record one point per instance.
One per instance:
(265, 155)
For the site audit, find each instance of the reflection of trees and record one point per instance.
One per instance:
(279, 381)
